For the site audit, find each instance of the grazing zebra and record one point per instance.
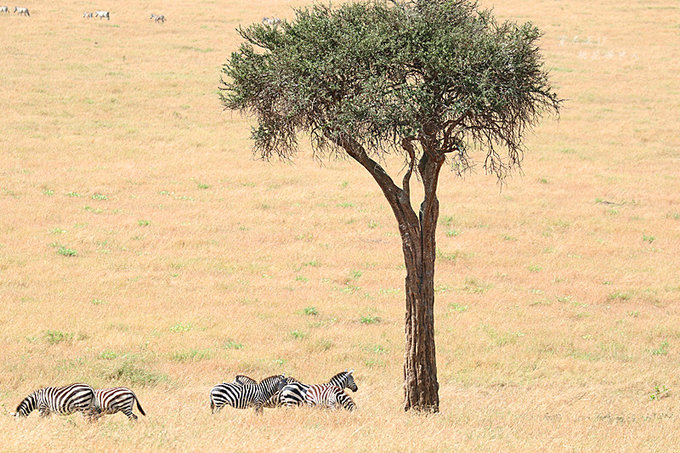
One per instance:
(102, 14)
(87, 15)
(294, 394)
(157, 17)
(275, 399)
(118, 399)
(4, 9)
(271, 21)
(241, 396)
(21, 11)
(328, 396)
(61, 400)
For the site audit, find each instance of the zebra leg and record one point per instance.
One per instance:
(129, 414)
(44, 411)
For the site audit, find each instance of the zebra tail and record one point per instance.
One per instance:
(139, 406)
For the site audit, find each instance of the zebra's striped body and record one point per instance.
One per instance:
(244, 380)
(4, 9)
(294, 394)
(88, 15)
(118, 399)
(241, 396)
(60, 400)
(102, 14)
(328, 396)
(21, 11)
(157, 17)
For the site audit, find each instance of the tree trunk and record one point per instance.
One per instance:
(421, 389)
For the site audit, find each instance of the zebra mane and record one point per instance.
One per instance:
(272, 379)
(340, 377)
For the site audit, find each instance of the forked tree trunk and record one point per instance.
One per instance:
(421, 389)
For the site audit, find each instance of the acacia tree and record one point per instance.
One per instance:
(434, 81)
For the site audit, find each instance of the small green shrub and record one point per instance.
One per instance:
(99, 196)
(232, 345)
(298, 335)
(136, 376)
(369, 319)
(311, 311)
(143, 222)
(56, 336)
(181, 327)
(192, 355)
(64, 251)
(107, 355)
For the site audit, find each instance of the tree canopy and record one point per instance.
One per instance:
(431, 80)
(389, 76)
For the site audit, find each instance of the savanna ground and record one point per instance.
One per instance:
(142, 245)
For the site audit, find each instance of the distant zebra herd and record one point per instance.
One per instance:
(243, 393)
(17, 10)
(158, 18)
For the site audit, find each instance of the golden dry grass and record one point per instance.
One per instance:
(557, 297)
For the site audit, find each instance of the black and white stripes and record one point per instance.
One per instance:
(60, 400)
(294, 394)
(118, 399)
(242, 396)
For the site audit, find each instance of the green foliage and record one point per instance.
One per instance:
(107, 355)
(135, 376)
(369, 319)
(56, 336)
(661, 350)
(99, 196)
(64, 251)
(311, 311)
(660, 391)
(298, 335)
(181, 327)
(192, 355)
(232, 345)
(440, 70)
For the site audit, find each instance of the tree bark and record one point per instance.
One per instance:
(421, 389)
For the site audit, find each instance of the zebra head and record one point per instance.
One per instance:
(28, 405)
(344, 380)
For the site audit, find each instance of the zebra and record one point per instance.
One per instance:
(328, 396)
(21, 11)
(274, 400)
(118, 399)
(4, 9)
(102, 14)
(61, 400)
(241, 396)
(87, 15)
(244, 380)
(157, 17)
(294, 394)
(271, 21)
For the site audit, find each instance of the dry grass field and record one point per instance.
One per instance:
(142, 245)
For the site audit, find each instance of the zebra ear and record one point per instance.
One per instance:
(351, 371)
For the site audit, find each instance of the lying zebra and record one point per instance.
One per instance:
(102, 14)
(61, 400)
(4, 9)
(242, 396)
(157, 17)
(118, 399)
(295, 393)
(21, 11)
